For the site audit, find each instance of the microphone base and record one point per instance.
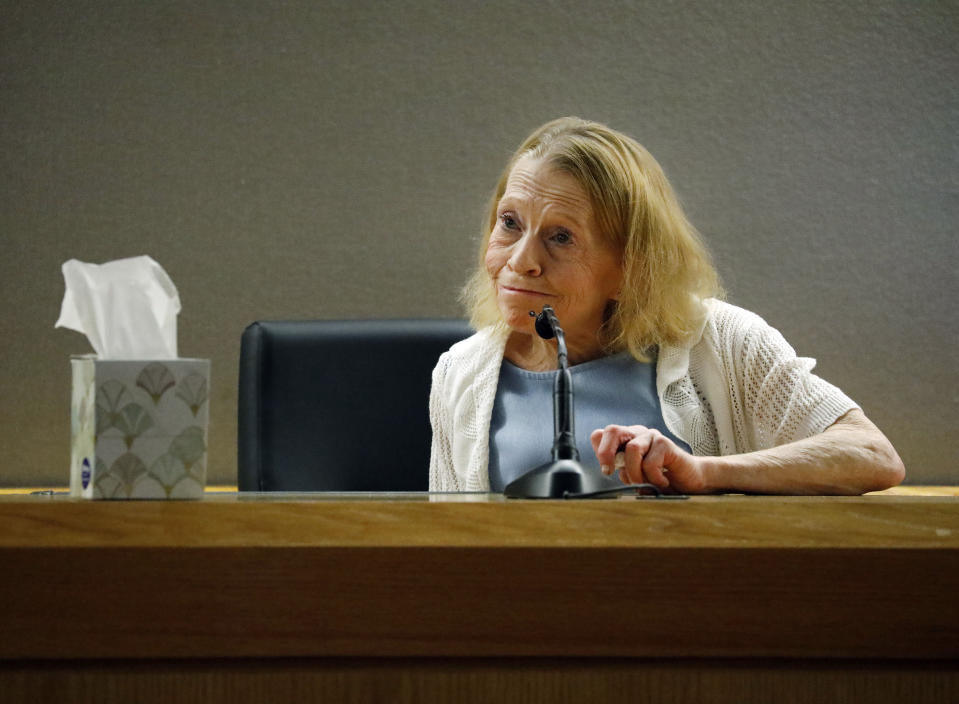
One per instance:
(554, 480)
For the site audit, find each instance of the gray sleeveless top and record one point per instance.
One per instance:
(616, 389)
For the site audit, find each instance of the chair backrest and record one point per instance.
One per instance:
(338, 405)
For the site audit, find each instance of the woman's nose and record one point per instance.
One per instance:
(525, 259)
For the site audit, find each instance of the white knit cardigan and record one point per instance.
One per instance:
(737, 387)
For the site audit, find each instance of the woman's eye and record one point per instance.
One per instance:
(562, 237)
(509, 222)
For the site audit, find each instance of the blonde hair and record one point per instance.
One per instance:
(667, 270)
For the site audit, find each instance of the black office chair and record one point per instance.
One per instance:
(338, 405)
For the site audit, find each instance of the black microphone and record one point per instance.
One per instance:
(564, 476)
(564, 438)
(543, 324)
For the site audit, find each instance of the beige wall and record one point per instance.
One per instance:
(332, 160)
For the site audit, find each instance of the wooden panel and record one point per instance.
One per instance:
(466, 681)
(482, 521)
(872, 577)
(168, 602)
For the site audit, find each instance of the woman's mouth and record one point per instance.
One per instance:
(516, 290)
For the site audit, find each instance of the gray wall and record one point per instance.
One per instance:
(332, 160)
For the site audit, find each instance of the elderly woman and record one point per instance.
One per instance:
(684, 391)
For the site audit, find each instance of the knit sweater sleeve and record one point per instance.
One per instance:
(442, 475)
(461, 402)
(775, 396)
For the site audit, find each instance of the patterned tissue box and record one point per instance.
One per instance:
(139, 428)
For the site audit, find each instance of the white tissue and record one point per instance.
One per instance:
(127, 308)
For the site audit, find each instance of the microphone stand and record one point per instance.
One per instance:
(564, 476)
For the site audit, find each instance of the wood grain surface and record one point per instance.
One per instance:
(413, 598)
(867, 577)
(420, 520)
(465, 681)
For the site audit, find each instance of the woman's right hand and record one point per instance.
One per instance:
(646, 456)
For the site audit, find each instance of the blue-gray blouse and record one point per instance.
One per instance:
(616, 389)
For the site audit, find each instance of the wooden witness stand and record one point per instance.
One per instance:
(472, 598)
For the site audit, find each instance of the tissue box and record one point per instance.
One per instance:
(139, 428)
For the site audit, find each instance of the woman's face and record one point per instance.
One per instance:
(546, 248)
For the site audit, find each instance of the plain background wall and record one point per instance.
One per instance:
(333, 160)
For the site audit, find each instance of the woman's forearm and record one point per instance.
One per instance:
(852, 456)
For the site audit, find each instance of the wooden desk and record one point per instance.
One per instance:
(473, 598)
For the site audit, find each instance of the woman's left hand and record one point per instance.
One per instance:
(650, 457)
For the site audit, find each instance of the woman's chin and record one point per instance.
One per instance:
(518, 320)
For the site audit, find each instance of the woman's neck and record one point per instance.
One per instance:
(534, 354)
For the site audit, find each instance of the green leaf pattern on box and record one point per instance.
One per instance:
(111, 397)
(188, 446)
(169, 472)
(192, 391)
(132, 421)
(148, 443)
(119, 481)
(156, 380)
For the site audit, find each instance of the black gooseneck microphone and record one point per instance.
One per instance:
(564, 437)
(564, 476)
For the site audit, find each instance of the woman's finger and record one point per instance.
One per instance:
(654, 459)
(606, 443)
(635, 451)
(596, 439)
